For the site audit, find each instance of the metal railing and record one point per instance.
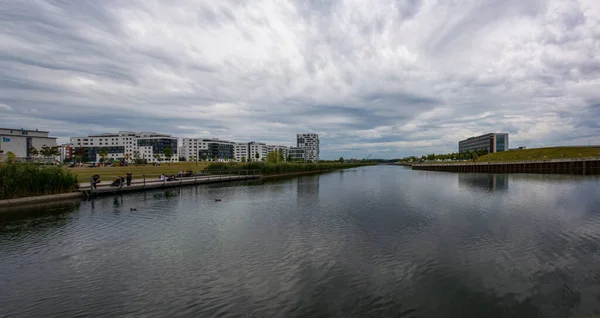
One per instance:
(154, 179)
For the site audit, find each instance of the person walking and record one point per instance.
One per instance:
(129, 176)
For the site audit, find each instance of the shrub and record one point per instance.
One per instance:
(19, 180)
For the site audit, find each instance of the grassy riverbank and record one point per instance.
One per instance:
(283, 167)
(18, 180)
(542, 154)
(110, 173)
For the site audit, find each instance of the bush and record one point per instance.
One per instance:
(19, 180)
(280, 168)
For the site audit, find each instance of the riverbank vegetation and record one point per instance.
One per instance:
(549, 153)
(109, 173)
(282, 167)
(18, 180)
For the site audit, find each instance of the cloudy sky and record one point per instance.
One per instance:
(388, 77)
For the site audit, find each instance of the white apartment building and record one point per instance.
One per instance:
(241, 151)
(310, 143)
(126, 145)
(207, 149)
(257, 147)
(20, 141)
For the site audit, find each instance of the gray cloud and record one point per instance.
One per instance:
(389, 77)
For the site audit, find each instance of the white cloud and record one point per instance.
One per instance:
(408, 76)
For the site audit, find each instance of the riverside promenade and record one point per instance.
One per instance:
(152, 182)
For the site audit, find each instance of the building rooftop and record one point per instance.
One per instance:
(21, 129)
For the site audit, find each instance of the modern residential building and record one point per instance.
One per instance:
(207, 149)
(492, 142)
(240, 151)
(66, 152)
(128, 145)
(20, 141)
(297, 153)
(310, 143)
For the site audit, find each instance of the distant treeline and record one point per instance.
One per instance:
(18, 180)
(282, 167)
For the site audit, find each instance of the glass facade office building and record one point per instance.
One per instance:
(492, 142)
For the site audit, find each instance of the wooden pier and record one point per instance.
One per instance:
(152, 182)
(560, 166)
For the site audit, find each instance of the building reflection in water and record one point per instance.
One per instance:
(482, 181)
(307, 187)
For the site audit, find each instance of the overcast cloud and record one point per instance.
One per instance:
(389, 77)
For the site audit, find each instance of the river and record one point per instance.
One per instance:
(363, 242)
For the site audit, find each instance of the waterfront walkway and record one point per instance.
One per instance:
(153, 183)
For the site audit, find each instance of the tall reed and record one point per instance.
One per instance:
(282, 167)
(18, 180)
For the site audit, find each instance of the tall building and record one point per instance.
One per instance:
(127, 145)
(310, 143)
(20, 141)
(491, 142)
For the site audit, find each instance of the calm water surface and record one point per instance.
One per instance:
(371, 242)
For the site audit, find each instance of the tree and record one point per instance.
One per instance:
(81, 154)
(257, 156)
(475, 156)
(49, 152)
(168, 153)
(341, 160)
(33, 152)
(10, 157)
(136, 156)
(215, 158)
(103, 154)
(289, 158)
(272, 157)
(243, 158)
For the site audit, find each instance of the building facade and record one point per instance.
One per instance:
(127, 146)
(310, 143)
(66, 152)
(207, 149)
(297, 153)
(259, 148)
(492, 142)
(20, 141)
(240, 151)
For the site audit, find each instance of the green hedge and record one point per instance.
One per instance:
(19, 180)
(281, 168)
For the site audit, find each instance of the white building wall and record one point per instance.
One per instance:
(240, 150)
(257, 147)
(15, 141)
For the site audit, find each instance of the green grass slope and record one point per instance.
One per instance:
(542, 154)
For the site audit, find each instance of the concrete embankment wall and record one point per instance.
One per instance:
(580, 167)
